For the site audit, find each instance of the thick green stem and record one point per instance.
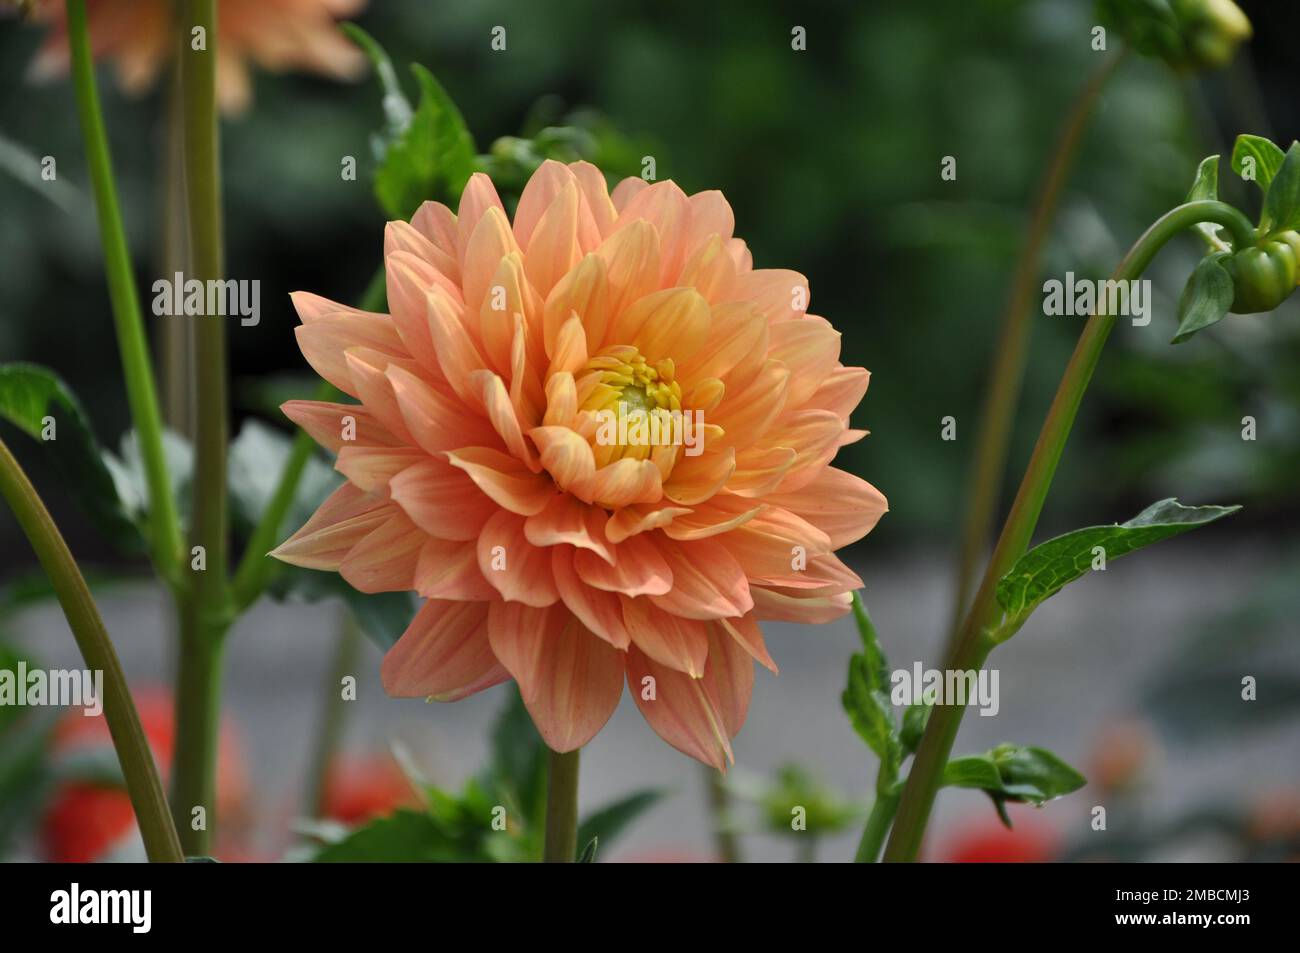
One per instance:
(205, 613)
(1007, 372)
(138, 769)
(165, 531)
(873, 835)
(973, 646)
(724, 836)
(560, 845)
(175, 333)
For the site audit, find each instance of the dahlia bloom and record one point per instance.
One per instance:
(478, 477)
(139, 36)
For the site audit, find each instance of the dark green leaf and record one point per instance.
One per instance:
(866, 698)
(1014, 773)
(404, 836)
(1282, 203)
(588, 855)
(609, 821)
(1206, 298)
(28, 395)
(1049, 566)
(397, 108)
(1256, 159)
(433, 157)
(1206, 187)
(915, 718)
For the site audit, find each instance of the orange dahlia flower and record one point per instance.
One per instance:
(139, 36)
(479, 473)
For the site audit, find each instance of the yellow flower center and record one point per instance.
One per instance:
(634, 402)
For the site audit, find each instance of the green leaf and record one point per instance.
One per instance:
(382, 616)
(915, 718)
(588, 855)
(1206, 298)
(29, 394)
(1206, 187)
(1050, 566)
(1258, 158)
(433, 157)
(397, 108)
(405, 836)
(866, 698)
(611, 820)
(1282, 203)
(1017, 773)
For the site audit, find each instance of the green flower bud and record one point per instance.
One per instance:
(1212, 30)
(1264, 275)
(1186, 34)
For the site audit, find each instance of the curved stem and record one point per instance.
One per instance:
(560, 845)
(873, 835)
(205, 614)
(1007, 372)
(165, 531)
(138, 769)
(973, 646)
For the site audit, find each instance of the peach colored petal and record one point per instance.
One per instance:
(623, 483)
(437, 223)
(710, 271)
(408, 280)
(570, 348)
(569, 521)
(729, 679)
(749, 636)
(823, 575)
(442, 500)
(479, 196)
(720, 514)
(841, 505)
(680, 709)
(810, 351)
(665, 206)
(595, 192)
(631, 257)
(458, 355)
(554, 248)
(448, 569)
(636, 569)
(759, 471)
(345, 518)
(840, 392)
(711, 215)
(567, 458)
(774, 541)
(516, 568)
(625, 190)
(370, 468)
(775, 292)
(385, 559)
(735, 349)
(444, 654)
(631, 520)
(436, 421)
(672, 323)
(324, 341)
(681, 644)
(812, 610)
(506, 480)
(369, 372)
(584, 291)
(508, 295)
(746, 414)
(333, 425)
(495, 402)
(814, 435)
(491, 241)
(561, 400)
(696, 479)
(570, 680)
(708, 582)
(599, 611)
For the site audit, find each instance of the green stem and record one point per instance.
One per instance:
(174, 334)
(332, 717)
(165, 531)
(138, 769)
(560, 845)
(724, 836)
(873, 835)
(205, 614)
(994, 435)
(973, 645)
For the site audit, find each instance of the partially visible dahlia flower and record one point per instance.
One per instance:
(139, 36)
(478, 477)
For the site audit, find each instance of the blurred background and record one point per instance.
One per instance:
(830, 158)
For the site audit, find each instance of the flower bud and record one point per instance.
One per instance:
(1212, 30)
(1264, 275)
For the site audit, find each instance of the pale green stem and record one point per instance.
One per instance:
(560, 844)
(143, 785)
(1005, 376)
(205, 616)
(973, 646)
(165, 532)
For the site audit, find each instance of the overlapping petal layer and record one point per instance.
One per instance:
(482, 476)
